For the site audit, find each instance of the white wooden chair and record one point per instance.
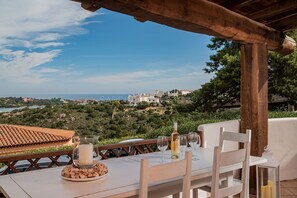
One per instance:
(158, 173)
(228, 158)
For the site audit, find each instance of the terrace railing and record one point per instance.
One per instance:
(28, 162)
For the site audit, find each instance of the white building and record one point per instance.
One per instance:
(185, 92)
(27, 99)
(135, 99)
(159, 93)
(175, 92)
(172, 93)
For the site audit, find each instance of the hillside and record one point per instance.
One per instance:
(116, 120)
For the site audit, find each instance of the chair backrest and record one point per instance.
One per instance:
(232, 157)
(244, 138)
(180, 168)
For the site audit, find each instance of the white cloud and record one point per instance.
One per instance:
(23, 18)
(48, 44)
(137, 76)
(48, 37)
(186, 77)
(30, 25)
(147, 75)
(49, 70)
(17, 66)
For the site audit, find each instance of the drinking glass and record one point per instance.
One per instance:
(195, 142)
(183, 145)
(162, 143)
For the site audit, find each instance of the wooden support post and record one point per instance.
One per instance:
(254, 99)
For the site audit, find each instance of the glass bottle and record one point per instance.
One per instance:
(175, 143)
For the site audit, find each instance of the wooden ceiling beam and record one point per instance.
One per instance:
(199, 16)
(278, 8)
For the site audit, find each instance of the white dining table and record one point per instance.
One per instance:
(122, 179)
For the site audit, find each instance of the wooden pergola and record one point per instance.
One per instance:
(258, 25)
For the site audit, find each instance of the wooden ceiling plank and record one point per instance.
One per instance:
(233, 3)
(220, 2)
(237, 5)
(282, 19)
(285, 23)
(200, 17)
(275, 9)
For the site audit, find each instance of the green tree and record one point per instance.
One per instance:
(143, 105)
(116, 105)
(283, 72)
(224, 87)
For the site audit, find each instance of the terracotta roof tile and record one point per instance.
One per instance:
(15, 135)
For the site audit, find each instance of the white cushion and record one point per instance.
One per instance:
(211, 134)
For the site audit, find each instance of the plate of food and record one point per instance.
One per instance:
(72, 173)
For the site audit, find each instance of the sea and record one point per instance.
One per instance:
(101, 97)
(10, 109)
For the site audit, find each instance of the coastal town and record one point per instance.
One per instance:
(19, 102)
(156, 96)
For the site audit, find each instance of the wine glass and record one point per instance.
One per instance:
(162, 143)
(195, 142)
(183, 145)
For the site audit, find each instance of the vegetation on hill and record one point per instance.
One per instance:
(109, 119)
(21, 102)
(114, 121)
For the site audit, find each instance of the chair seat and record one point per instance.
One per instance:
(207, 188)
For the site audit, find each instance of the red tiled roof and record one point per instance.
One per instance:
(15, 136)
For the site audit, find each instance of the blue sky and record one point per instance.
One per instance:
(55, 46)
